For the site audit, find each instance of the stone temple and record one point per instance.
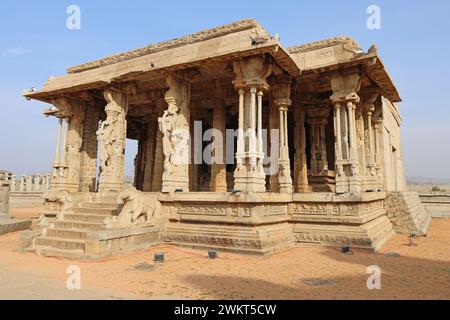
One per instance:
(338, 175)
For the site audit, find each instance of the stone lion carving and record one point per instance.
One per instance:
(63, 198)
(134, 211)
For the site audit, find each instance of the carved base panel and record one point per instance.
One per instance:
(371, 235)
(71, 187)
(173, 183)
(370, 183)
(248, 240)
(348, 184)
(107, 185)
(322, 183)
(249, 181)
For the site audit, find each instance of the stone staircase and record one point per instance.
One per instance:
(67, 237)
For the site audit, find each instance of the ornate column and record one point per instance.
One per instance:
(150, 150)
(56, 161)
(301, 176)
(321, 179)
(274, 124)
(28, 183)
(251, 75)
(345, 99)
(22, 183)
(13, 182)
(4, 199)
(281, 90)
(112, 136)
(372, 180)
(89, 148)
(377, 136)
(174, 126)
(218, 167)
(37, 183)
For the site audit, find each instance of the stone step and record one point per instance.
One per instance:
(78, 225)
(60, 253)
(99, 211)
(101, 205)
(85, 217)
(76, 234)
(60, 243)
(97, 198)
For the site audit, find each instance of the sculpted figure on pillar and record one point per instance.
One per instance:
(107, 137)
(174, 127)
(111, 136)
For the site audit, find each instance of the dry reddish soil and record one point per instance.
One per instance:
(420, 272)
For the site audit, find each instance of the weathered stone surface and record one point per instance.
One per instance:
(407, 213)
(437, 205)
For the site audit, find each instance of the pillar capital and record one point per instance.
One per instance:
(252, 72)
(345, 88)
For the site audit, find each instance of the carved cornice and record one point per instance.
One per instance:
(177, 42)
(348, 43)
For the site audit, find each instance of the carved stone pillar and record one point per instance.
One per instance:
(218, 167)
(370, 178)
(150, 152)
(301, 167)
(28, 183)
(37, 183)
(89, 149)
(345, 99)
(174, 126)
(274, 124)
(251, 74)
(66, 166)
(112, 136)
(4, 199)
(22, 186)
(281, 90)
(377, 140)
(13, 182)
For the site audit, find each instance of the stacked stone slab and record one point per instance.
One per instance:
(407, 213)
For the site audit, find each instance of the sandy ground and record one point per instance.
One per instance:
(421, 272)
(25, 213)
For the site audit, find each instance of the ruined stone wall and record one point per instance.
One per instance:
(407, 213)
(88, 162)
(4, 195)
(437, 205)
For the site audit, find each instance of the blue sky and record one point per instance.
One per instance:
(35, 43)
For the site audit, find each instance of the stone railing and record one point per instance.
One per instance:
(4, 195)
(38, 182)
(437, 204)
(28, 190)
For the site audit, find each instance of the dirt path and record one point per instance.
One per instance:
(421, 272)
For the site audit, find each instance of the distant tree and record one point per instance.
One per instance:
(435, 189)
